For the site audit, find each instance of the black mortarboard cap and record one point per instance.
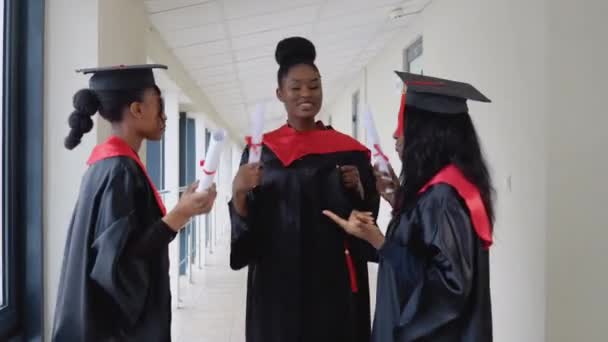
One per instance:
(122, 77)
(439, 95)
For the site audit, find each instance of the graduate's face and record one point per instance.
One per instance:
(399, 146)
(300, 91)
(150, 115)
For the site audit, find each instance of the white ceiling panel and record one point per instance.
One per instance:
(236, 9)
(196, 35)
(155, 6)
(264, 51)
(203, 50)
(211, 61)
(228, 46)
(270, 37)
(274, 21)
(187, 17)
(338, 8)
(214, 71)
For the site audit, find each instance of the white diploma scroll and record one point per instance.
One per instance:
(212, 160)
(257, 132)
(373, 141)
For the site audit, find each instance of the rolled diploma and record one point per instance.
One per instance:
(373, 140)
(257, 130)
(212, 160)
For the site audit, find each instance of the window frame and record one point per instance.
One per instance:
(412, 52)
(355, 99)
(23, 146)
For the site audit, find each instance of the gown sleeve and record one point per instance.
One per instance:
(446, 250)
(122, 247)
(244, 237)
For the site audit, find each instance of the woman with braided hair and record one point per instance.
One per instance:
(114, 284)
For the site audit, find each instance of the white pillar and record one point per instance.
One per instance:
(78, 34)
(63, 167)
(200, 155)
(171, 173)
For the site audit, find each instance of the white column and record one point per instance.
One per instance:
(171, 173)
(224, 186)
(200, 155)
(63, 169)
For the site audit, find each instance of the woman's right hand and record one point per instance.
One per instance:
(247, 178)
(387, 184)
(190, 204)
(359, 224)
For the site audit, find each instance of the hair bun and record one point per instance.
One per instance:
(86, 102)
(80, 122)
(295, 49)
(72, 140)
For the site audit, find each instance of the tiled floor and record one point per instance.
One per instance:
(213, 307)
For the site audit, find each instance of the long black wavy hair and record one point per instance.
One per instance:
(434, 141)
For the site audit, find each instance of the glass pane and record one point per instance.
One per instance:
(355, 114)
(416, 66)
(153, 162)
(2, 232)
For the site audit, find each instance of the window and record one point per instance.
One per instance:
(22, 88)
(187, 151)
(412, 57)
(2, 274)
(155, 162)
(187, 175)
(355, 111)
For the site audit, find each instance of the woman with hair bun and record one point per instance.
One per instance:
(114, 283)
(308, 280)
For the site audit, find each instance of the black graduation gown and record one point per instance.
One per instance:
(433, 279)
(115, 279)
(298, 287)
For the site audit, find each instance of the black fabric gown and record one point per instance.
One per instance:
(433, 280)
(298, 287)
(115, 279)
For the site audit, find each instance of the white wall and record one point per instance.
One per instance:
(88, 33)
(121, 40)
(70, 43)
(577, 121)
(477, 41)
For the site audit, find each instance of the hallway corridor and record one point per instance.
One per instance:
(213, 307)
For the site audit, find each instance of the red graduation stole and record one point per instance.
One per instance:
(452, 176)
(116, 147)
(290, 145)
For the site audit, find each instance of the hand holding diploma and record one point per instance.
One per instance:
(257, 130)
(212, 160)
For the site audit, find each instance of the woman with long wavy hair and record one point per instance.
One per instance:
(434, 277)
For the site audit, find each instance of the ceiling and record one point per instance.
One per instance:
(227, 46)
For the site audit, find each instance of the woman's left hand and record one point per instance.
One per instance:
(361, 225)
(352, 180)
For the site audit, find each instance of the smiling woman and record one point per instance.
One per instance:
(302, 268)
